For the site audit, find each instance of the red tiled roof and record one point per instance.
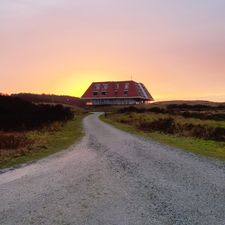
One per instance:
(117, 89)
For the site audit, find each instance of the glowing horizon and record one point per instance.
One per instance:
(60, 47)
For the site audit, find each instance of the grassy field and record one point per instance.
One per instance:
(45, 142)
(136, 118)
(130, 122)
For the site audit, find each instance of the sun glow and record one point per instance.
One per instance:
(59, 48)
(76, 83)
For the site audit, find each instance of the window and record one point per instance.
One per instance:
(126, 86)
(95, 93)
(126, 93)
(117, 86)
(104, 86)
(103, 93)
(97, 86)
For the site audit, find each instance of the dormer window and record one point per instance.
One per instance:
(97, 87)
(126, 86)
(104, 86)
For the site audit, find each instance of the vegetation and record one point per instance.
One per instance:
(203, 112)
(19, 115)
(32, 145)
(206, 137)
(29, 131)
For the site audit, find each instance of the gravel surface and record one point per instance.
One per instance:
(114, 178)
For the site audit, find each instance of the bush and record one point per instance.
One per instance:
(132, 109)
(218, 134)
(170, 126)
(204, 116)
(157, 110)
(141, 110)
(167, 126)
(203, 112)
(186, 107)
(197, 131)
(18, 115)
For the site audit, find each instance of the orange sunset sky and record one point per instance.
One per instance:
(176, 48)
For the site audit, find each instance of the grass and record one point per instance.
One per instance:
(134, 117)
(198, 146)
(48, 142)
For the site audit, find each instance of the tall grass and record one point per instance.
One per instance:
(14, 141)
(37, 144)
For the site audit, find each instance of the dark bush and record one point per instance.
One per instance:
(221, 107)
(197, 131)
(218, 117)
(186, 107)
(218, 134)
(205, 132)
(204, 116)
(141, 110)
(203, 112)
(167, 126)
(17, 114)
(156, 110)
(132, 109)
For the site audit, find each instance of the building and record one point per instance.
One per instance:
(116, 93)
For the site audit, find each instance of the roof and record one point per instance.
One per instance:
(117, 89)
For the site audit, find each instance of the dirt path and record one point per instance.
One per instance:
(114, 178)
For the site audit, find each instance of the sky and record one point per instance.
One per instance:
(176, 48)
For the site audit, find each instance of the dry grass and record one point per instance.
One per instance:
(14, 145)
(14, 141)
(137, 118)
(17, 148)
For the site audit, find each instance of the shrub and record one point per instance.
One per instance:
(132, 109)
(170, 126)
(197, 131)
(218, 134)
(17, 114)
(186, 107)
(204, 116)
(167, 125)
(157, 110)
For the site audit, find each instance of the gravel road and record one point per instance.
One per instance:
(114, 178)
